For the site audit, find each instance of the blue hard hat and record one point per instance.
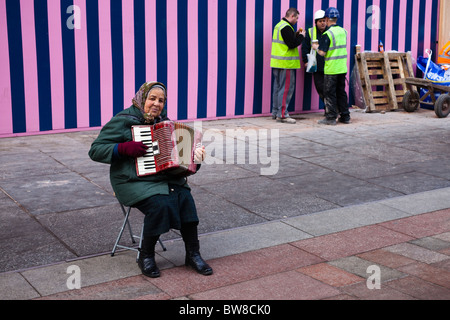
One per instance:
(332, 13)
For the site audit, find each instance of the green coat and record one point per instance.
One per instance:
(128, 187)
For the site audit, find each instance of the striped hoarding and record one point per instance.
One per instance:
(73, 64)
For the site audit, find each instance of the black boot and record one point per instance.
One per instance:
(195, 260)
(146, 261)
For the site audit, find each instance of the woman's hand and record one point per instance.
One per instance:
(200, 154)
(132, 149)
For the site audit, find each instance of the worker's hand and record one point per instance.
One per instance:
(302, 32)
(315, 46)
(200, 154)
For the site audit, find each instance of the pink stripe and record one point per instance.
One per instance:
(284, 6)
(389, 21)
(267, 72)
(192, 26)
(56, 65)
(82, 67)
(402, 26)
(415, 31)
(29, 66)
(172, 59)
(129, 89)
(347, 26)
(376, 16)
(250, 58)
(104, 21)
(232, 57)
(5, 84)
(213, 63)
(300, 74)
(150, 40)
(362, 25)
(427, 39)
(332, 3)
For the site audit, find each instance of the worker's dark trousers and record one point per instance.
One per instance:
(319, 83)
(336, 102)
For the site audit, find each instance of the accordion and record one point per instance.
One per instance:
(171, 148)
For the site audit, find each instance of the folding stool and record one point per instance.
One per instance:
(126, 212)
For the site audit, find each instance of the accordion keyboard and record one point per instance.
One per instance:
(146, 163)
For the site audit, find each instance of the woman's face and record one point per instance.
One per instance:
(154, 104)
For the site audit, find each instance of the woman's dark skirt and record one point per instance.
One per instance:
(165, 212)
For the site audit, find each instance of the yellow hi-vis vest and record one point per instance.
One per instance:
(282, 56)
(336, 57)
(444, 55)
(313, 36)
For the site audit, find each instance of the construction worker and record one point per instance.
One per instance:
(315, 34)
(285, 60)
(333, 46)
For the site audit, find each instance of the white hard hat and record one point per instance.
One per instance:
(320, 14)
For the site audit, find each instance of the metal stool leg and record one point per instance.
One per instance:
(127, 213)
(126, 222)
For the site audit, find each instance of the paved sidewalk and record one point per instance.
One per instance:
(350, 201)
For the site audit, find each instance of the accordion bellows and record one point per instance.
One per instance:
(171, 148)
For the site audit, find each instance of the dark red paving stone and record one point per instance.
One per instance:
(423, 225)
(330, 275)
(351, 242)
(290, 285)
(386, 258)
(360, 291)
(123, 289)
(420, 289)
(443, 264)
(428, 273)
(183, 281)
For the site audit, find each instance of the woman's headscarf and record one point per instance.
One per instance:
(141, 96)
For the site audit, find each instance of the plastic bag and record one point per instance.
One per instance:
(435, 74)
(311, 67)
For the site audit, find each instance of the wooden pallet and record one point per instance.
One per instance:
(382, 76)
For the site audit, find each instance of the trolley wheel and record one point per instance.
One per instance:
(411, 101)
(442, 106)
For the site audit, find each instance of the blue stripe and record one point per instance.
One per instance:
(161, 41)
(139, 44)
(421, 36)
(259, 56)
(382, 31)
(117, 56)
(16, 65)
(409, 23)
(202, 92)
(395, 25)
(43, 65)
(241, 51)
(93, 63)
(353, 42)
(291, 106)
(434, 22)
(182, 59)
(222, 18)
(276, 14)
(70, 82)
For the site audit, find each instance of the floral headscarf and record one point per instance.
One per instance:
(141, 96)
